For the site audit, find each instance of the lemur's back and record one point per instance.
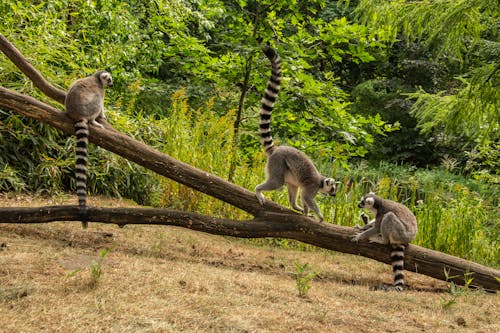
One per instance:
(297, 164)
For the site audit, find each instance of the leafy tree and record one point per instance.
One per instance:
(312, 112)
(464, 34)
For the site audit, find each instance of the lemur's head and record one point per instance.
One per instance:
(105, 78)
(369, 201)
(328, 186)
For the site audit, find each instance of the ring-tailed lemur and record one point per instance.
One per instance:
(84, 105)
(394, 224)
(287, 164)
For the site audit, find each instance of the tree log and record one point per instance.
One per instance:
(282, 225)
(271, 220)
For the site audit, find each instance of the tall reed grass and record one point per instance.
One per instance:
(201, 138)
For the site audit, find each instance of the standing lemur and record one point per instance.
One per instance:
(287, 164)
(85, 105)
(394, 224)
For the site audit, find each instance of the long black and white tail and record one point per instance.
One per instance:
(273, 87)
(397, 261)
(82, 140)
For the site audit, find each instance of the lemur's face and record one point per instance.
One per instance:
(106, 79)
(368, 202)
(329, 187)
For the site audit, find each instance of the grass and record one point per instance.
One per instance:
(166, 279)
(303, 277)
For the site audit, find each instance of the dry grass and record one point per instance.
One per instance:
(165, 279)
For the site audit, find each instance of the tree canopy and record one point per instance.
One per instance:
(462, 34)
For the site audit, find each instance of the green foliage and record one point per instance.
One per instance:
(459, 224)
(312, 102)
(46, 157)
(37, 158)
(208, 47)
(199, 137)
(464, 110)
(401, 142)
(471, 115)
(446, 26)
(303, 277)
(455, 291)
(10, 180)
(312, 109)
(95, 269)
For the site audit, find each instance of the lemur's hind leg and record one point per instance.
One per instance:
(292, 197)
(392, 229)
(273, 182)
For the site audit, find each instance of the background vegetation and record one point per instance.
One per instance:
(372, 91)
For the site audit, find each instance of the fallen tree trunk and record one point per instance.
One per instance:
(281, 225)
(271, 220)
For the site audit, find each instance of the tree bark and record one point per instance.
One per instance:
(282, 225)
(271, 220)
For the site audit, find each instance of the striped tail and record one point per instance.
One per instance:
(273, 87)
(397, 261)
(82, 140)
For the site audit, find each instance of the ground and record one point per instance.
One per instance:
(55, 277)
